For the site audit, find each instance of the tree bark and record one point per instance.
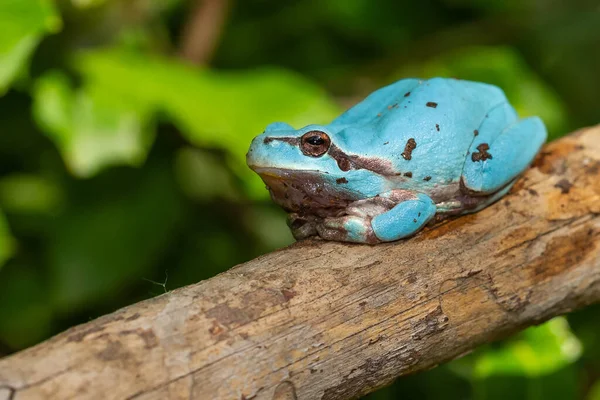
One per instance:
(324, 320)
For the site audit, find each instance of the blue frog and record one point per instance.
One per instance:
(409, 152)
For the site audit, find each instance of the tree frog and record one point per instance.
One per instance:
(408, 152)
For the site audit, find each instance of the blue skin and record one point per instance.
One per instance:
(407, 152)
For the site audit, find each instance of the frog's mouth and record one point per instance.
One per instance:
(305, 192)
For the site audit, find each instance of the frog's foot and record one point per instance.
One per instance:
(302, 227)
(349, 228)
(496, 159)
(405, 219)
(396, 222)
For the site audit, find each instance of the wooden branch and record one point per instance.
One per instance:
(322, 320)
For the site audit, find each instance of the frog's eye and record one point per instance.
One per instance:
(314, 143)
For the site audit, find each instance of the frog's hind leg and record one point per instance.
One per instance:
(503, 148)
(480, 202)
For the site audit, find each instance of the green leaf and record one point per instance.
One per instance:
(23, 23)
(560, 385)
(7, 243)
(535, 352)
(202, 175)
(504, 67)
(88, 3)
(29, 194)
(155, 4)
(92, 128)
(212, 109)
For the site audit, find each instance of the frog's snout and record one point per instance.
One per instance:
(269, 150)
(253, 156)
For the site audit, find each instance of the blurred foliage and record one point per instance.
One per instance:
(6, 241)
(23, 23)
(535, 352)
(122, 170)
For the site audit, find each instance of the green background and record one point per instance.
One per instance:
(122, 171)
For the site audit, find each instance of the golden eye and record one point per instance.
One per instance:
(315, 143)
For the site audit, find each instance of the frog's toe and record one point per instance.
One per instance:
(301, 227)
(492, 164)
(347, 229)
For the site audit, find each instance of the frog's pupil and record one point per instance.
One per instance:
(315, 140)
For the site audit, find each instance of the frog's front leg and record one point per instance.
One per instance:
(390, 216)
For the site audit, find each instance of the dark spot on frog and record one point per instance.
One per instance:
(431, 104)
(532, 192)
(437, 127)
(427, 178)
(406, 94)
(395, 105)
(411, 144)
(386, 143)
(415, 220)
(564, 186)
(418, 215)
(344, 164)
(408, 174)
(483, 154)
(341, 180)
(475, 132)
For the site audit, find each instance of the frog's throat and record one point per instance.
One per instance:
(305, 192)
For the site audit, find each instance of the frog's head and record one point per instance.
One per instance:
(283, 148)
(306, 169)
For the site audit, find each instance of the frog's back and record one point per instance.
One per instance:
(424, 128)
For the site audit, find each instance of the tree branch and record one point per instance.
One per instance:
(203, 29)
(334, 321)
